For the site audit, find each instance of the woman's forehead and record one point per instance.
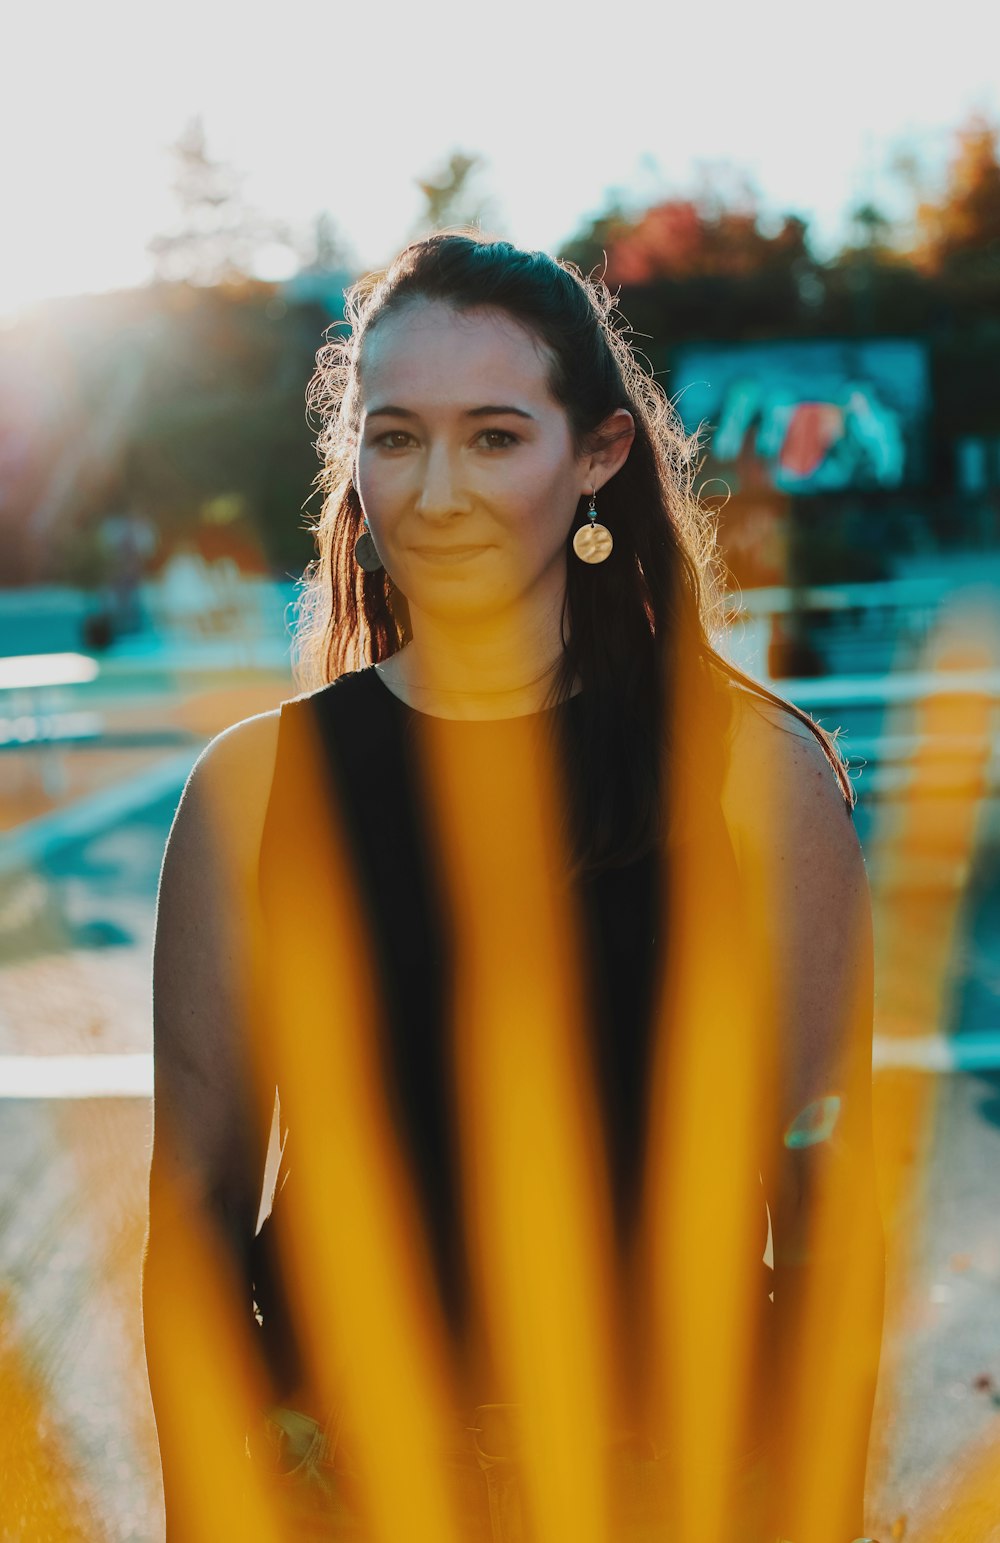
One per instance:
(433, 350)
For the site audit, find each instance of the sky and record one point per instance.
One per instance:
(330, 108)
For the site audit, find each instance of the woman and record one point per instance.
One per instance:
(514, 570)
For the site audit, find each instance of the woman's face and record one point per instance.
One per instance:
(465, 466)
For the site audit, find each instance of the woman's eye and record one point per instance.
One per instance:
(502, 434)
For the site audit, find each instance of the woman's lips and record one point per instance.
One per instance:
(448, 554)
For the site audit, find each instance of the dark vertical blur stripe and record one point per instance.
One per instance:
(359, 1276)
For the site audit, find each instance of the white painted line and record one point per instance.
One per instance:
(131, 1076)
(907, 686)
(915, 1052)
(937, 1052)
(76, 1076)
(24, 672)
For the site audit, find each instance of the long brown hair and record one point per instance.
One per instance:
(628, 622)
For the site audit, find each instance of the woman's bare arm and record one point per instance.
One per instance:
(811, 917)
(211, 1116)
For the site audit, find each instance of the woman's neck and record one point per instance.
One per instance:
(481, 670)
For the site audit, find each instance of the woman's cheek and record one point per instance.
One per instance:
(377, 496)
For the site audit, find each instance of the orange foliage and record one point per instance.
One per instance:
(965, 221)
(679, 239)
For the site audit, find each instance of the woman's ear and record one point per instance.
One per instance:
(615, 437)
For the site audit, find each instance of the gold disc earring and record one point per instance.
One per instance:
(592, 543)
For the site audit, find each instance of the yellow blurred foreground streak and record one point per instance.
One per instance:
(924, 857)
(537, 1201)
(702, 1311)
(205, 1379)
(765, 1404)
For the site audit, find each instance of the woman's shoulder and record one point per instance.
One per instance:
(222, 811)
(751, 714)
(239, 762)
(243, 755)
(761, 730)
(244, 749)
(778, 770)
(226, 793)
(248, 748)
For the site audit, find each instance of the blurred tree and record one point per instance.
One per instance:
(450, 197)
(906, 162)
(711, 265)
(870, 282)
(715, 231)
(958, 234)
(224, 419)
(218, 236)
(327, 265)
(704, 265)
(872, 227)
(689, 271)
(324, 250)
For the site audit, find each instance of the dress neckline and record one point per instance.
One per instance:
(386, 689)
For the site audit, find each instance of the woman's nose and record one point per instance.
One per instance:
(441, 492)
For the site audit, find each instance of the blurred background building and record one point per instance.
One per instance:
(848, 409)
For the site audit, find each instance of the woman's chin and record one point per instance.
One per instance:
(462, 602)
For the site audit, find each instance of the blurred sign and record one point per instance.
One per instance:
(803, 417)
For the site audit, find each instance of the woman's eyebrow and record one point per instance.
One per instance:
(471, 412)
